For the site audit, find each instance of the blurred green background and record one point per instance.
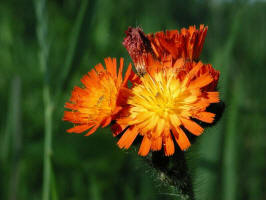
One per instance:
(46, 47)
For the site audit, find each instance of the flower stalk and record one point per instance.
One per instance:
(173, 171)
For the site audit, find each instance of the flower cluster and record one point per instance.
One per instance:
(169, 93)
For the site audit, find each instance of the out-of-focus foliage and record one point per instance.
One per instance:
(227, 162)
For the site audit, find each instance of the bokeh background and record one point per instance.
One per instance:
(46, 47)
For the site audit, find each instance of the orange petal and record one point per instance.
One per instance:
(70, 106)
(99, 68)
(120, 71)
(117, 109)
(201, 81)
(77, 93)
(86, 80)
(124, 121)
(128, 72)
(73, 117)
(193, 72)
(179, 63)
(106, 121)
(156, 144)
(79, 128)
(195, 69)
(191, 126)
(167, 61)
(145, 146)
(114, 67)
(205, 117)
(169, 147)
(181, 138)
(154, 49)
(127, 138)
(213, 97)
(93, 130)
(92, 76)
(111, 66)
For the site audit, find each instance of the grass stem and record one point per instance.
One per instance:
(42, 23)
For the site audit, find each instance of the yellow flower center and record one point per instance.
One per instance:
(159, 102)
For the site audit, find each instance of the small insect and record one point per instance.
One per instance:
(100, 99)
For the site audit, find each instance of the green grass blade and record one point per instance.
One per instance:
(42, 25)
(72, 45)
(15, 134)
(47, 143)
(208, 172)
(53, 186)
(230, 146)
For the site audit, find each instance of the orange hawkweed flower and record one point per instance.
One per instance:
(165, 47)
(100, 100)
(165, 103)
(185, 44)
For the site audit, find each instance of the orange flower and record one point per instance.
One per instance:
(166, 47)
(164, 103)
(185, 44)
(100, 100)
(170, 95)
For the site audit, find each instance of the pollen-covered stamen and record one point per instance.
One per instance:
(162, 97)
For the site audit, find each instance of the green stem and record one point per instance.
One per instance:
(173, 171)
(72, 44)
(230, 146)
(16, 136)
(40, 6)
(47, 142)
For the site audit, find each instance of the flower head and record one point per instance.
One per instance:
(185, 44)
(169, 96)
(166, 102)
(100, 100)
(164, 47)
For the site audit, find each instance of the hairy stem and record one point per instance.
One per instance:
(173, 171)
